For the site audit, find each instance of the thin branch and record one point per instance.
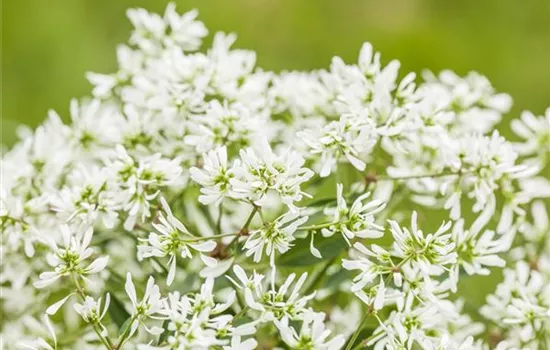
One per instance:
(421, 176)
(354, 336)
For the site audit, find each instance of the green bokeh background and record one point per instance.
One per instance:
(48, 45)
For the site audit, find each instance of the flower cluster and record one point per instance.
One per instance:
(196, 201)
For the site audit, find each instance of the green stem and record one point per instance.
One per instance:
(198, 239)
(354, 336)
(240, 313)
(123, 336)
(397, 267)
(369, 312)
(219, 221)
(105, 341)
(245, 227)
(250, 217)
(420, 176)
(365, 341)
(255, 209)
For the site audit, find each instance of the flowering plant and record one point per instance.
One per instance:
(196, 201)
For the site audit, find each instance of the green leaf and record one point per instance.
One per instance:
(117, 311)
(366, 332)
(335, 281)
(300, 255)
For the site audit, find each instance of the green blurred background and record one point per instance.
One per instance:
(48, 45)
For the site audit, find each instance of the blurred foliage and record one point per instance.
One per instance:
(47, 46)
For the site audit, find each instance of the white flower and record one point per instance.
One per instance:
(187, 328)
(152, 32)
(301, 94)
(149, 306)
(446, 342)
(535, 132)
(71, 259)
(351, 137)
(173, 111)
(130, 63)
(184, 31)
(472, 93)
(374, 265)
(475, 250)
(171, 241)
(214, 176)
(39, 160)
(273, 303)
(205, 299)
(278, 305)
(16, 222)
(357, 221)
(197, 320)
(345, 321)
(540, 226)
(485, 160)
(146, 25)
(223, 125)
(375, 297)
(274, 236)
(313, 334)
(524, 311)
(427, 253)
(140, 181)
(533, 233)
(252, 287)
(522, 303)
(262, 172)
(366, 264)
(94, 126)
(407, 325)
(90, 309)
(87, 197)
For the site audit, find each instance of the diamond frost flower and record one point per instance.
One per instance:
(270, 151)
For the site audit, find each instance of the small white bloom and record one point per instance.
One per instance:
(174, 239)
(428, 253)
(535, 131)
(357, 221)
(476, 249)
(274, 236)
(150, 304)
(214, 176)
(351, 137)
(71, 259)
(312, 335)
(90, 309)
(252, 287)
(262, 171)
(279, 305)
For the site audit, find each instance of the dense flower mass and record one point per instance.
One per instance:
(195, 201)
